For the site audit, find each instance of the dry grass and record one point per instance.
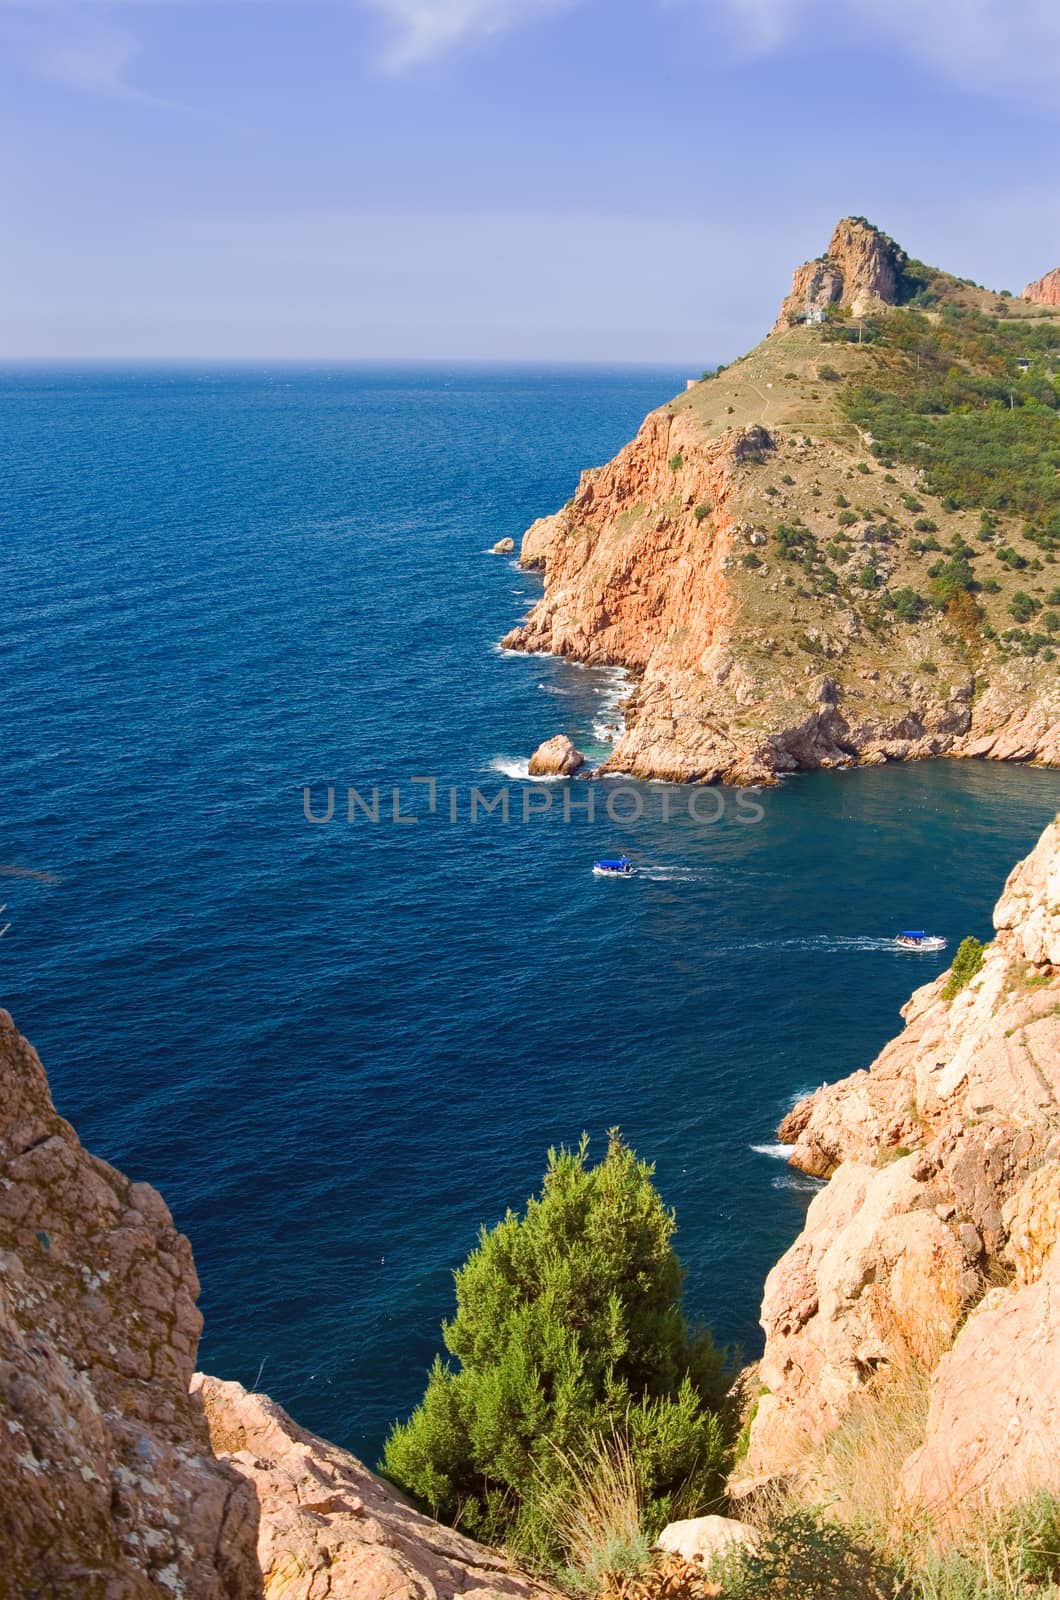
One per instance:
(858, 1472)
(595, 1515)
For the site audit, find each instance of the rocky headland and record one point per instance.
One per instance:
(790, 588)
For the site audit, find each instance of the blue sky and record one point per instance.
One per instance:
(616, 180)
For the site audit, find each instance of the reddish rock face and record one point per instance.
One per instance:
(110, 1488)
(861, 271)
(1046, 291)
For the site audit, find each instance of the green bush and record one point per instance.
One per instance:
(568, 1327)
(966, 963)
(803, 1557)
(847, 519)
(677, 462)
(1023, 606)
(701, 513)
(925, 525)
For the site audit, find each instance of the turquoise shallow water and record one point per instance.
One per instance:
(338, 1049)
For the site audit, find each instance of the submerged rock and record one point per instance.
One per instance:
(556, 758)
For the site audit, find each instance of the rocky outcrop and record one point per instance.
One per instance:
(503, 547)
(861, 271)
(934, 1243)
(994, 1415)
(121, 1482)
(1045, 291)
(330, 1527)
(110, 1488)
(556, 758)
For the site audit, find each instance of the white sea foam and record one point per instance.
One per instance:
(779, 1152)
(519, 771)
(799, 1181)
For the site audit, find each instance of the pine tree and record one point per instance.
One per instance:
(568, 1330)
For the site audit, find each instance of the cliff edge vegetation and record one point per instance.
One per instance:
(842, 548)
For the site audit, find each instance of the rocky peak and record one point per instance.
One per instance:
(861, 270)
(1045, 291)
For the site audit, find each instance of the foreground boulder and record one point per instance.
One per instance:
(556, 758)
(110, 1488)
(934, 1245)
(331, 1527)
(701, 1539)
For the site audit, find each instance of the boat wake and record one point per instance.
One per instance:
(836, 943)
(656, 872)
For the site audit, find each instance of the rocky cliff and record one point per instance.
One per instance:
(772, 587)
(110, 1488)
(862, 270)
(932, 1248)
(1045, 291)
(121, 1481)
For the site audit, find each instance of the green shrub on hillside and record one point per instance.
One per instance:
(966, 963)
(568, 1331)
(1023, 606)
(802, 1556)
(950, 398)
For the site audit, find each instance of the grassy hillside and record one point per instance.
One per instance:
(917, 474)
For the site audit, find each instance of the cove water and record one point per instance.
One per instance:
(338, 1049)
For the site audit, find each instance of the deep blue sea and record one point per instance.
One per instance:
(340, 1048)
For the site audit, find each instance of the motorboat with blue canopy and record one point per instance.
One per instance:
(917, 939)
(614, 867)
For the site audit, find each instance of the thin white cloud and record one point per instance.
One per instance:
(423, 28)
(97, 65)
(993, 44)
